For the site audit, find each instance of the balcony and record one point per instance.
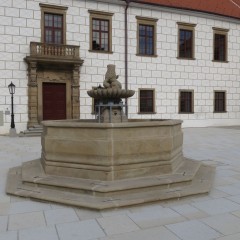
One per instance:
(50, 53)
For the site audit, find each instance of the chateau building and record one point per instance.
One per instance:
(181, 57)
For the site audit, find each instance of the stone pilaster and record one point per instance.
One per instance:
(32, 94)
(75, 92)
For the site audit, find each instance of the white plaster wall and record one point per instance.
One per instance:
(20, 24)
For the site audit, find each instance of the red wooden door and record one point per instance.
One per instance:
(54, 101)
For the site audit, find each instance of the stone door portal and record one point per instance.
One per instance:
(54, 101)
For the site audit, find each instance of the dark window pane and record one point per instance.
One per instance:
(57, 21)
(146, 39)
(48, 36)
(186, 43)
(146, 101)
(58, 37)
(186, 102)
(53, 26)
(48, 20)
(220, 47)
(219, 102)
(100, 34)
(96, 25)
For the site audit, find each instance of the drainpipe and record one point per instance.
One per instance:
(126, 53)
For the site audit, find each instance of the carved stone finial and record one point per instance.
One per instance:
(111, 78)
(112, 88)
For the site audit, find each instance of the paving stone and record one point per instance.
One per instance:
(217, 182)
(229, 189)
(57, 205)
(231, 237)
(160, 233)
(117, 224)
(28, 206)
(155, 217)
(42, 233)
(201, 144)
(235, 198)
(86, 230)
(4, 208)
(19, 199)
(85, 214)
(236, 213)
(11, 235)
(193, 230)
(189, 211)
(4, 198)
(114, 212)
(26, 220)
(217, 206)
(3, 223)
(225, 223)
(215, 193)
(61, 215)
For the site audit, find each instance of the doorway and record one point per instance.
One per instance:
(54, 101)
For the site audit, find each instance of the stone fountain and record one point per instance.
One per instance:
(111, 161)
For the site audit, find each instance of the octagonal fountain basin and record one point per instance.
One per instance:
(111, 151)
(110, 165)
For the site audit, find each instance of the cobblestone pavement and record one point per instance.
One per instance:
(213, 216)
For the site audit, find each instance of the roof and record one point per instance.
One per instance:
(228, 8)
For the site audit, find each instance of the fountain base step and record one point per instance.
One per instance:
(30, 180)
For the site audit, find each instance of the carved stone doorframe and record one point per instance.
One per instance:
(39, 73)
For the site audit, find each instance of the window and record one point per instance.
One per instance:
(53, 24)
(146, 40)
(146, 36)
(146, 101)
(53, 28)
(100, 31)
(100, 34)
(186, 101)
(186, 35)
(219, 101)
(220, 45)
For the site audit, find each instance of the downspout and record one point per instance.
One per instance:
(126, 53)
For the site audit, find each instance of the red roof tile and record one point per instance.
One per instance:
(229, 8)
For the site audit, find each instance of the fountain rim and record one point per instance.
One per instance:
(90, 123)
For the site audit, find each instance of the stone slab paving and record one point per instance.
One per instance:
(214, 216)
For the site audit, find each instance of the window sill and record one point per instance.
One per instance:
(146, 55)
(182, 58)
(219, 61)
(146, 112)
(186, 113)
(99, 51)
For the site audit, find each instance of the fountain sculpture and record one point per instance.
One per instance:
(111, 161)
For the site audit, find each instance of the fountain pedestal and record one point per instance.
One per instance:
(108, 165)
(116, 163)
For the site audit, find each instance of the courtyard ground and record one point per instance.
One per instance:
(213, 216)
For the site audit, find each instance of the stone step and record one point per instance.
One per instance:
(33, 174)
(34, 131)
(119, 193)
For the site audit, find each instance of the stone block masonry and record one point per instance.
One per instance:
(165, 73)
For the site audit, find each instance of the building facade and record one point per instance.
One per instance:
(183, 63)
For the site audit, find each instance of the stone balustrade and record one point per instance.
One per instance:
(38, 49)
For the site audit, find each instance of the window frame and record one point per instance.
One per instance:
(153, 100)
(220, 31)
(147, 22)
(186, 27)
(104, 16)
(224, 101)
(192, 101)
(55, 10)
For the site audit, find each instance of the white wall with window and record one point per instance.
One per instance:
(164, 71)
